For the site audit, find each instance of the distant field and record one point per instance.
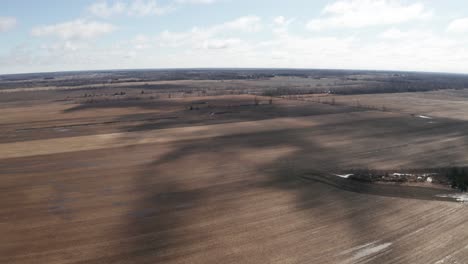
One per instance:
(122, 175)
(451, 104)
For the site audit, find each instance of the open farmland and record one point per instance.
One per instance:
(203, 172)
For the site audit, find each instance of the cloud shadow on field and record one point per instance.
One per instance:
(191, 193)
(171, 204)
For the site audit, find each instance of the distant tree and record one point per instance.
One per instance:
(270, 101)
(458, 178)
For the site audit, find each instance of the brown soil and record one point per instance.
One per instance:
(104, 183)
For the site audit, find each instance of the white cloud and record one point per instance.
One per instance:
(231, 44)
(281, 24)
(106, 9)
(393, 33)
(421, 51)
(200, 47)
(363, 13)
(7, 23)
(195, 39)
(103, 9)
(76, 29)
(198, 37)
(145, 8)
(281, 21)
(64, 46)
(245, 23)
(203, 2)
(397, 34)
(300, 51)
(458, 25)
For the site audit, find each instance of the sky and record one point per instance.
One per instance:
(57, 35)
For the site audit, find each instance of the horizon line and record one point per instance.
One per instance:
(233, 69)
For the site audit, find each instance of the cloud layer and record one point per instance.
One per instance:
(105, 9)
(358, 34)
(364, 13)
(76, 29)
(458, 25)
(7, 23)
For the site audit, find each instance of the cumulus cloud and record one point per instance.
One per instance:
(397, 34)
(107, 9)
(458, 25)
(396, 46)
(145, 8)
(245, 23)
(281, 24)
(281, 21)
(364, 13)
(7, 23)
(76, 29)
(398, 50)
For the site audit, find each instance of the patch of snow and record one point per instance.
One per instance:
(402, 174)
(345, 176)
(418, 230)
(358, 248)
(429, 179)
(59, 129)
(451, 258)
(364, 251)
(424, 117)
(447, 258)
(370, 250)
(460, 197)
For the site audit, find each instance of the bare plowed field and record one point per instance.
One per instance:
(228, 183)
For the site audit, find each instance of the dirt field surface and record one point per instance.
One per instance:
(452, 104)
(228, 181)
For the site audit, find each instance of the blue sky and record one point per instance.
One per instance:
(53, 35)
